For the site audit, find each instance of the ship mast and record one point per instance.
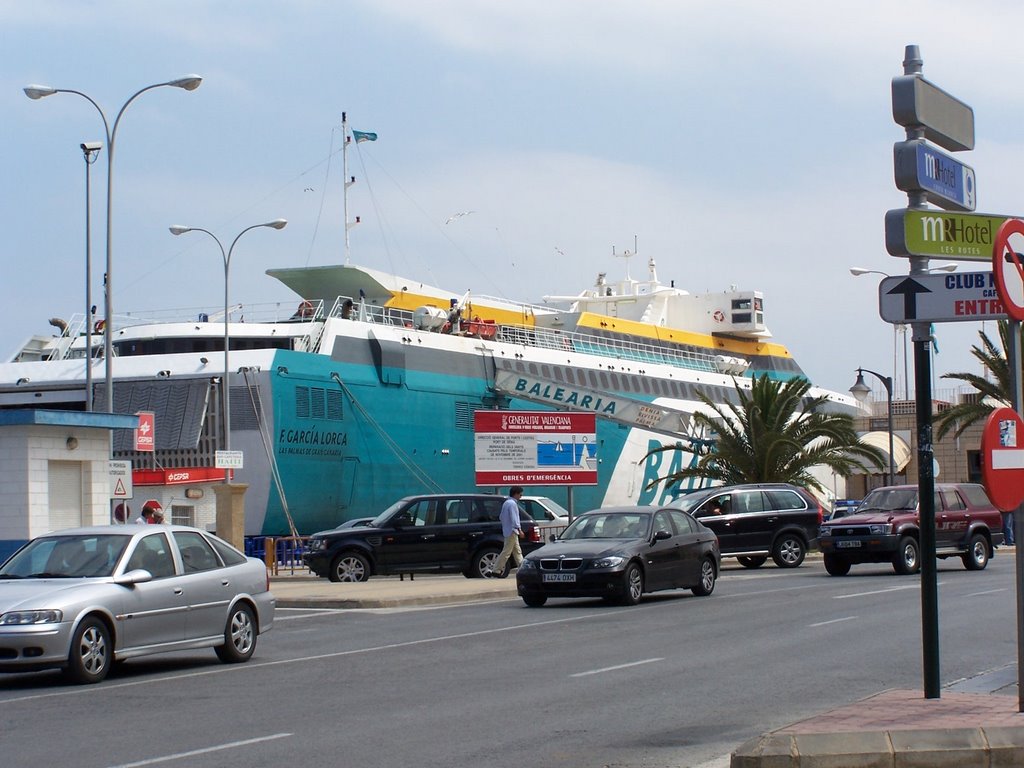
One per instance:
(349, 181)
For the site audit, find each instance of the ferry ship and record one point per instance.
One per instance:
(362, 388)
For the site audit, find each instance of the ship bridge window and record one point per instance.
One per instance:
(558, 375)
(741, 317)
(532, 368)
(741, 303)
(645, 385)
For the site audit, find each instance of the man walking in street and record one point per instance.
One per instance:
(512, 530)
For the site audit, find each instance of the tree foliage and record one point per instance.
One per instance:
(996, 392)
(776, 433)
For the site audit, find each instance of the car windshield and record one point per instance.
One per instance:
(609, 525)
(889, 499)
(689, 501)
(66, 557)
(382, 518)
(553, 506)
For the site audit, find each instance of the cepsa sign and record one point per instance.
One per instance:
(145, 433)
(535, 448)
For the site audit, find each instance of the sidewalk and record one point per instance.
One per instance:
(975, 722)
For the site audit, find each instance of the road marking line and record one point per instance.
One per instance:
(832, 621)
(880, 591)
(205, 751)
(617, 666)
(986, 592)
(238, 668)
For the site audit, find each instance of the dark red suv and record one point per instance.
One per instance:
(885, 528)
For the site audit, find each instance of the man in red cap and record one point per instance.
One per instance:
(149, 512)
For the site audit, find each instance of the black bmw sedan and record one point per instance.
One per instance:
(618, 553)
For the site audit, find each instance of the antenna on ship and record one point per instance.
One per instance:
(349, 181)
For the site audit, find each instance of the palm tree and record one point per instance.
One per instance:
(777, 434)
(997, 392)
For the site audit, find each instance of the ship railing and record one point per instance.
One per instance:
(62, 347)
(620, 349)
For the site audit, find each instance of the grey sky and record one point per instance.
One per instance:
(740, 143)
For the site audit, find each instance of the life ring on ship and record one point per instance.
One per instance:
(98, 326)
(719, 316)
(305, 310)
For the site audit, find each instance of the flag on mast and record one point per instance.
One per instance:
(363, 136)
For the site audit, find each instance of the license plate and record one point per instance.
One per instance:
(847, 544)
(559, 577)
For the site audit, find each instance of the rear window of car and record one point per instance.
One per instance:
(228, 554)
(975, 495)
(951, 500)
(785, 499)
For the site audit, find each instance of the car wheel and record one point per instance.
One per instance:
(707, 578)
(751, 562)
(976, 556)
(91, 652)
(907, 559)
(349, 566)
(534, 601)
(239, 636)
(632, 585)
(836, 566)
(483, 563)
(789, 551)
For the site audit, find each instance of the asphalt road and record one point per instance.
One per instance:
(675, 681)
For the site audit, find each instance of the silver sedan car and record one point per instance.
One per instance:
(83, 598)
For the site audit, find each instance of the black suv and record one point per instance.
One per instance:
(757, 520)
(434, 532)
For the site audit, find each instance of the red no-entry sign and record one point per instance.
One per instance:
(1002, 451)
(1008, 266)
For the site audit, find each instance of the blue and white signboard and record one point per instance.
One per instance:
(947, 182)
(956, 297)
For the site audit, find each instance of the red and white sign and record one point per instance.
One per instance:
(1008, 268)
(1002, 452)
(145, 433)
(535, 448)
(180, 476)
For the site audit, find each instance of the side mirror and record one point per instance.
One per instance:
(400, 521)
(662, 535)
(136, 576)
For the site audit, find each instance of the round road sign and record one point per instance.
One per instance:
(1008, 266)
(1002, 454)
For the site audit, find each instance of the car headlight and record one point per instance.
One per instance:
(528, 565)
(824, 531)
(607, 562)
(21, 618)
(314, 544)
(880, 530)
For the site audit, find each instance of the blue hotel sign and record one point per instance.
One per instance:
(947, 182)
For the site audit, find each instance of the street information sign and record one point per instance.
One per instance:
(941, 234)
(227, 460)
(946, 120)
(120, 479)
(1007, 265)
(946, 181)
(1002, 452)
(535, 448)
(955, 297)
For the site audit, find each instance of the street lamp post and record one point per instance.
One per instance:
(860, 391)
(90, 150)
(178, 229)
(188, 83)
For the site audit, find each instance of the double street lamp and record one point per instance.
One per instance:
(860, 391)
(178, 229)
(188, 83)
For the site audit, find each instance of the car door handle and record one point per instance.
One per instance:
(426, 536)
(179, 591)
(225, 582)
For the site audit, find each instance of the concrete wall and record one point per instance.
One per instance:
(25, 455)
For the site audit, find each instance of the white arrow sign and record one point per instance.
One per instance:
(948, 298)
